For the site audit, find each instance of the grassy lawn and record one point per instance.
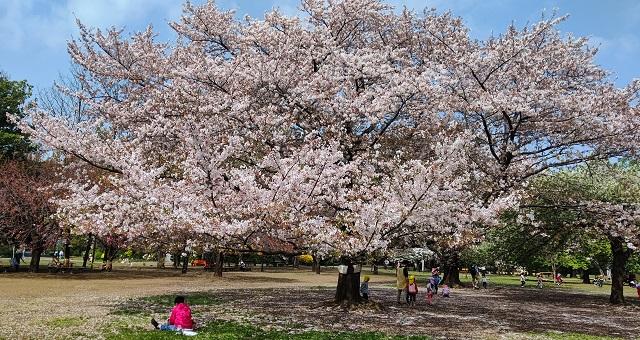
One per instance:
(235, 331)
(514, 280)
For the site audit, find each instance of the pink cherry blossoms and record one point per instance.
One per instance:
(339, 131)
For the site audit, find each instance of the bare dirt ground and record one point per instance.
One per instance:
(80, 306)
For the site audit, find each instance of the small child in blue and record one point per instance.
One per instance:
(364, 288)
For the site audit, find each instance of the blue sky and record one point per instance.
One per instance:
(33, 33)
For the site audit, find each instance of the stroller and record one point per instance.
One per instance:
(598, 281)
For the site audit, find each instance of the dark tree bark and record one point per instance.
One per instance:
(87, 250)
(296, 263)
(160, 254)
(375, 269)
(185, 263)
(67, 252)
(348, 289)
(620, 257)
(316, 264)
(176, 260)
(585, 276)
(34, 265)
(219, 263)
(452, 270)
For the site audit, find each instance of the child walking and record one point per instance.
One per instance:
(523, 279)
(540, 279)
(364, 288)
(180, 318)
(430, 292)
(412, 290)
(484, 280)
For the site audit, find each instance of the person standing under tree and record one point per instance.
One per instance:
(484, 280)
(412, 291)
(523, 279)
(401, 280)
(364, 288)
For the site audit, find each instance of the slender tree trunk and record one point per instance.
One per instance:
(87, 251)
(219, 263)
(93, 254)
(452, 270)
(348, 289)
(176, 260)
(620, 257)
(34, 265)
(316, 264)
(67, 252)
(296, 264)
(375, 269)
(585, 276)
(185, 263)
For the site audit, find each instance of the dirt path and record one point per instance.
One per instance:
(46, 306)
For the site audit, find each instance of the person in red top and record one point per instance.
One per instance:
(180, 317)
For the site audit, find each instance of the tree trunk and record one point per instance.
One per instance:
(316, 264)
(93, 254)
(176, 260)
(620, 257)
(67, 252)
(296, 263)
(34, 265)
(375, 269)
(452, 270)
(185, 263)
(219, 263)
(160, 254)
(348, 289)
(87, 251)
(585, 276)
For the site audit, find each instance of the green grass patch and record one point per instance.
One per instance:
(234, 331)
(163, 303)
(66, 322)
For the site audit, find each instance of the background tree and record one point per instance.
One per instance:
(13, 95)
(26, 208)
(601, 198)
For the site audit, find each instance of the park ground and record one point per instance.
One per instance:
(291, 304)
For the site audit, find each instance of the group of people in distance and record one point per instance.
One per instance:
(408, 285)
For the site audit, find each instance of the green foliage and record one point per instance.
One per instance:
(235, 331)
(556, 223)
(13, 95)
(633, 264)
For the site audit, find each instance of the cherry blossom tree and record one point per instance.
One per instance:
(600, 198)
(26, 210)
(340, 131)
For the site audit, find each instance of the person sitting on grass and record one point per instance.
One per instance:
(446, 292)
(364, 288)
(180, 317)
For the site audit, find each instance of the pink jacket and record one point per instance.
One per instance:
(181, 316)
